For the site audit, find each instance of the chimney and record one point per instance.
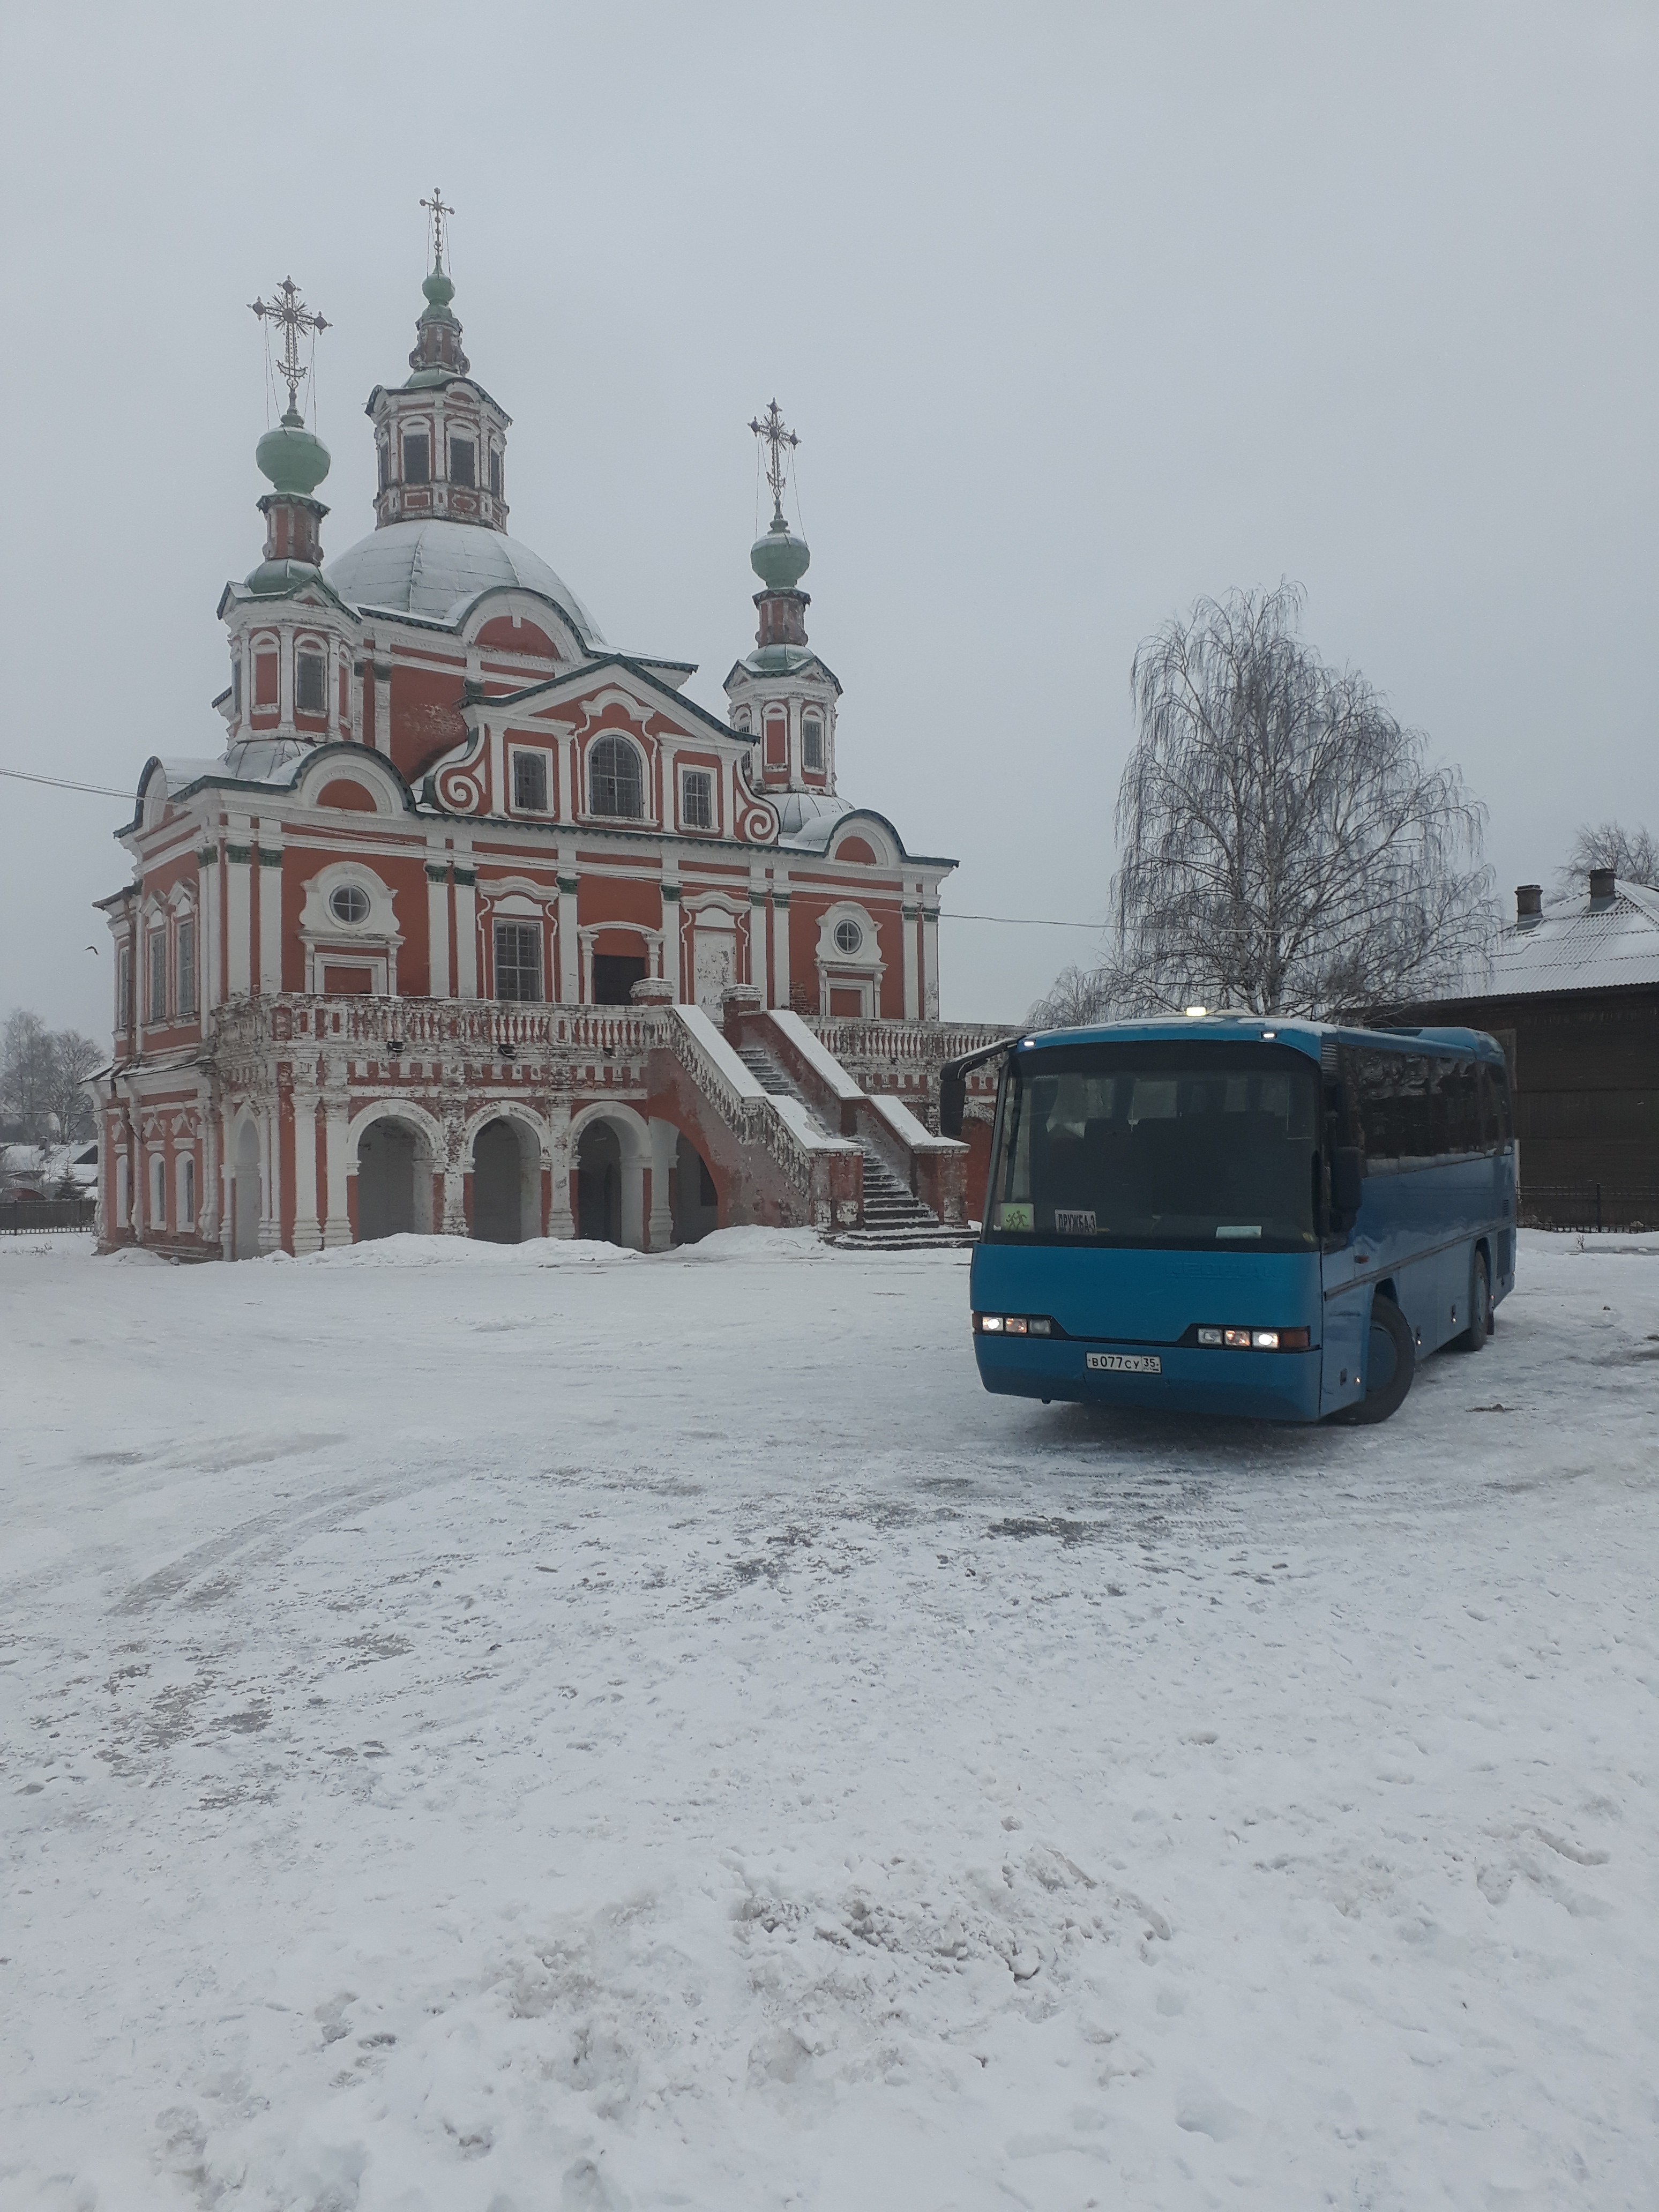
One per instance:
(1602, 883)
(1528, 902)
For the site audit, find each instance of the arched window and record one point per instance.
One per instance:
(812, 744)
(187, 1192)
(614, 784)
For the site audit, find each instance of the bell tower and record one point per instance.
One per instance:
(782, 693)
(440, 439)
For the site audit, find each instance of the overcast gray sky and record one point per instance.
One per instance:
(1080, 313)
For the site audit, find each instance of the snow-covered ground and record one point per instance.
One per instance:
(488, 1731)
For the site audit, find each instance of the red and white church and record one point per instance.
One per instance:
(475, 924)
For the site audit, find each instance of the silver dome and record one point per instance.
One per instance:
(436, 568)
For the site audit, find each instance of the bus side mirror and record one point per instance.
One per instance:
(1347, 1183)
(953, 1101)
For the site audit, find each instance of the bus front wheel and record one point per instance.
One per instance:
(1390, 1362)
(1474, 1338)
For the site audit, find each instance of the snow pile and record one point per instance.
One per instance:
(616, 1735)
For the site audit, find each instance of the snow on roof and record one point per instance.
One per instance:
(807, 819)
(435, 569)
(1576, 944)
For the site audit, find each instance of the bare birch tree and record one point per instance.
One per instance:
(1076, 997)
(1632, 855)
(1283, 843)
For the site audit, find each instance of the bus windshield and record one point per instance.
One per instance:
(1195, 1146)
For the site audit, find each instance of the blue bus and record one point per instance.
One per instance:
(1235, 1214)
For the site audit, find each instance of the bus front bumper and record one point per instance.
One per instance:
(1268, 1386)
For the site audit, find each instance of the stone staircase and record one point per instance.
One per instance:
(894, 1220)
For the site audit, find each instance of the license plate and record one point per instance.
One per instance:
(1125, 1362)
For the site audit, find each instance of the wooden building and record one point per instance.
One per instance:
(1572, 992)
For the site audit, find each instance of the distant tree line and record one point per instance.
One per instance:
(41, 1073)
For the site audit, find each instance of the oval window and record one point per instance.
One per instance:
(848, 937)
(349, 903)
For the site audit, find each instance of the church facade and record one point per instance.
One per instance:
(475, 923)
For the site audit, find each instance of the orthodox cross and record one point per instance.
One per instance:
(437, 209)
(291, 316)
(780, 443)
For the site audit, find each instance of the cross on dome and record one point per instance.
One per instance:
(437, 209)
(780, 443)
(290, 315)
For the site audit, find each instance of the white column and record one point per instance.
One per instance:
(780, 939)
(909, 913)
(633, 1203)
(270, 921)
(336, 1229)
(930, 963)
(307, 1229)
(382, 708)
(467, 932)
(560, 1220)
(567, 799)
(271, 1212)
(659, 1229)
(226, 1188)
(669, 961)
(437, 927)
(100, 1221)
(238, 923)
(207, 1198)
(208, 929)
(571, 980)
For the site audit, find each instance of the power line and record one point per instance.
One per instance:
(62, 783)
(1024, 922)
(1007, 921)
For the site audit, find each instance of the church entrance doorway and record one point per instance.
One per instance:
(245, 1195)
(394, 1182)
(615, 974)
(502, 1210)
(598, 1184)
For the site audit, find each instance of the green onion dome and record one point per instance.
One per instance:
(780, 559)
(295, 459)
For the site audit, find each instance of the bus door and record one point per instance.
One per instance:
(1346, 1302)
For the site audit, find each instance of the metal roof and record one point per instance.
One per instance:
(437, 569)
(1576, 944)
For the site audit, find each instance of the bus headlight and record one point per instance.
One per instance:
(1254, 1340)
(1014, 1325)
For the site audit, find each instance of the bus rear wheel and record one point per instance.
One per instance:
(1390, 1363)
(1474, 1338)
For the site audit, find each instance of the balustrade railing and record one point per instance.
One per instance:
(920, 1045)
(419, 1029)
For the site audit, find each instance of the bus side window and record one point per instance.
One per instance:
(1414, 1109)
(1460, 1086)
(1376, 1072)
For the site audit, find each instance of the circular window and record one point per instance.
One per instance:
(848, 937)
(349, 903)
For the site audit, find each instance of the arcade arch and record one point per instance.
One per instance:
(394, 1161)
(610, 1152)
(506, 1153)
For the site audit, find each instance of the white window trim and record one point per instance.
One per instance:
(646, 816)
(545, 754)
(712, 826)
